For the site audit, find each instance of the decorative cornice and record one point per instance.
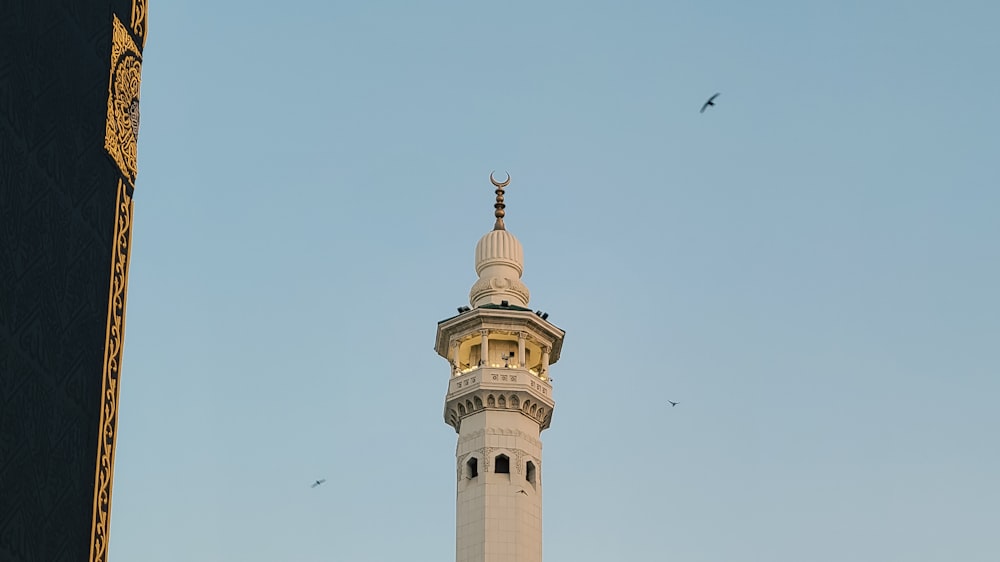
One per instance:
(521, 400)
(502, 320)
(515, 433)
(469, 437)
(502, 432)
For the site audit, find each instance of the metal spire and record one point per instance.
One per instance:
(499, 205)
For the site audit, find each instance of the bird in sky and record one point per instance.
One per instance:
(318, 482)
(521, 492)
(672, 404)
(709, 103)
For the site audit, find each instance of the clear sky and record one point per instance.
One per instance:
(810, 268)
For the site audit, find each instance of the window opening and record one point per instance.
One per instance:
(502, 464)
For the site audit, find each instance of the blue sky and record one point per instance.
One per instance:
(810, 268)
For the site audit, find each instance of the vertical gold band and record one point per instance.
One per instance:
(110, 389)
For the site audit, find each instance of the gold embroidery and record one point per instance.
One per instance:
(123, 100)
(139, 20)
(117, 295)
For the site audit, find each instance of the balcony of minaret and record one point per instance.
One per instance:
(499, 357)
(507, 337)
(499, 389)
(499, 350)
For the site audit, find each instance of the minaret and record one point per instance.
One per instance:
(499, 400)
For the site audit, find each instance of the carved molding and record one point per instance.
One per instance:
(494, 285)
(471, 436)
(485, 455)
(514, 433)
(110, 379)
(520, 400)
(498, 431)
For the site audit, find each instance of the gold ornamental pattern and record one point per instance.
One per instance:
(110, 388)
(139, 20)
(123, 100)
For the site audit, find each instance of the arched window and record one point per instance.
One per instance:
(529, 472)
(472, 468)
(502, 464)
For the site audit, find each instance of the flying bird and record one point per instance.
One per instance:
(521, 492)
(318, 482)
(709, 103)
(672, 404)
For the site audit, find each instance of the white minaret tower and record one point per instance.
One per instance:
(499, 400)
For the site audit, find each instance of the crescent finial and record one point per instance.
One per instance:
(499, 205)
(501, 185)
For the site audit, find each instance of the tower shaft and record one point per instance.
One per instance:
(499, 500)
(499, 401)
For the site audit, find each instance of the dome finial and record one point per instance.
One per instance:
(499, 206)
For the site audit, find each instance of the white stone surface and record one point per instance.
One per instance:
(499, 264)
(499, 515)
(499, 400)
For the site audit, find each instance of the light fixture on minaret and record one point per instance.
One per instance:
(499, 400)
(506, 359)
